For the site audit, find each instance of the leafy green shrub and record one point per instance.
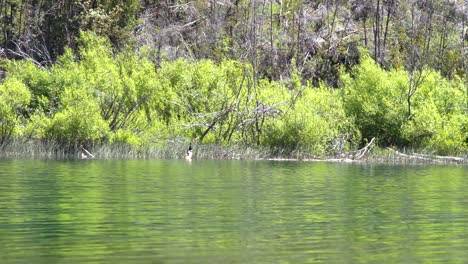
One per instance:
(78, 121)
(315, 124)
(204, 100)
(44, 95)
(126, 137)
(123, 83)
(438, 117)
(101, 95)
(378, 102)
(375, 100)
(14, 97)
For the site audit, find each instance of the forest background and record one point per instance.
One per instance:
(292, 77)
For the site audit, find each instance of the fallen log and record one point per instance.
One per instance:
(430, 158)
(407, 156)
(444, 158)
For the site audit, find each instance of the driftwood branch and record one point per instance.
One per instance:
(362, 152)
(442, 158)
(408, 156)
(430, 158)
(88, 154)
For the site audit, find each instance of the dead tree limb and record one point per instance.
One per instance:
(407, 156)
(441, 158)
(362, 152)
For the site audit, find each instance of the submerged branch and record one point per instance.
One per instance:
(407, 156)
(430, 158)
(443, 158)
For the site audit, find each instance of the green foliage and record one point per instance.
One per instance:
(377, 100)
(439, 120)
(100, 95)
(126, 137)
(14, 97)
(204, 98)
(78, 121)
(44, 94)
(315, 124)
(82, 100)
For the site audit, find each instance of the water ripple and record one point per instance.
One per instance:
(146, 211)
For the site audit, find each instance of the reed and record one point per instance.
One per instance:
(171, 149)
(33, 149)
(175, 149)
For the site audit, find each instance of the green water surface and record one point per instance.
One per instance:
(159, 211)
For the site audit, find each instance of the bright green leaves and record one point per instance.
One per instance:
(102, 96)
(14, 97)
(78, 121)
(375, 99)
(378, 102)
(14, 93)
(82, 100)
(316, 123)
(439, 118)
(203, 100)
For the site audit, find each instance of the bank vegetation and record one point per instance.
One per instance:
(238, 79)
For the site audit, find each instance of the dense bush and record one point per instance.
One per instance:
(439, 121)
(315, 123)
(378, 102)
(203, 100)
(375, 99)
(14, 96)
(99, 95)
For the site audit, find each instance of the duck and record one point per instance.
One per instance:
(188, 154)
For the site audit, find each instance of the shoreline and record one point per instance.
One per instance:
(376, 155)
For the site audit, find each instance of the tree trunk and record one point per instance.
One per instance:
(377, 33)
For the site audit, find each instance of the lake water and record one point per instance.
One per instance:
(153, 211)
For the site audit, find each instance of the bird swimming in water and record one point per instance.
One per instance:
(188, 154)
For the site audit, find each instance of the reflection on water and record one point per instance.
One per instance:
(151, 211)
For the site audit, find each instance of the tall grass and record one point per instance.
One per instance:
(33, 149)
(166, 150)
(176, 149)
